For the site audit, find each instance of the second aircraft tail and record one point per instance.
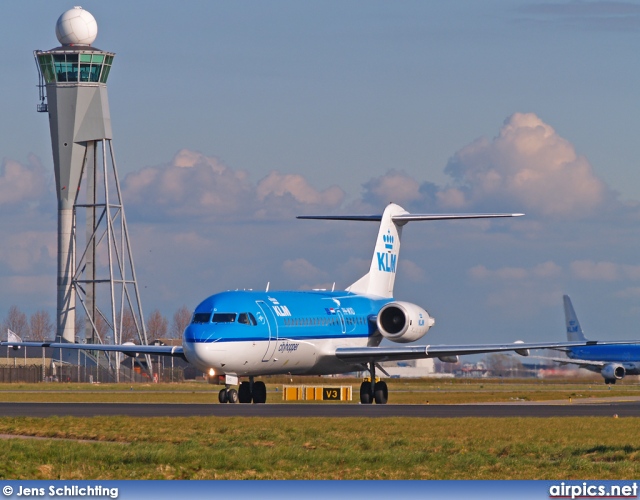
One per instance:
(574, 330)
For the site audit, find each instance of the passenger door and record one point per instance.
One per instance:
(272, 326)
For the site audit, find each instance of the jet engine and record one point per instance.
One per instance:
(613, 372)
(403, 322)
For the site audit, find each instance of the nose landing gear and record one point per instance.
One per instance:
(228, 395)
(248, 392)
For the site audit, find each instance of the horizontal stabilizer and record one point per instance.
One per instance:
(404, 218)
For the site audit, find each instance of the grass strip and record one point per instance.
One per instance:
(321, 448)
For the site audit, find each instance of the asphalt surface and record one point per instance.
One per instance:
(552, 409)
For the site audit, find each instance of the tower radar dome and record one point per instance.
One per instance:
(76, 27)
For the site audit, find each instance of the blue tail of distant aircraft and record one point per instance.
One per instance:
(574, 330)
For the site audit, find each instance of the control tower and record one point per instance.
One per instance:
(73, 90)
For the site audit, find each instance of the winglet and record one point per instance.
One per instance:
(13, 337)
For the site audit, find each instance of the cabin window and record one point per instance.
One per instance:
(224, 318)
(247, 319)
(201, 317)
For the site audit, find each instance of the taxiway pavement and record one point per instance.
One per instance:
(540, 410)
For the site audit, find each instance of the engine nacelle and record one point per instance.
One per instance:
(130, 354)
(613, 372)
(449, 359)
(403, 322)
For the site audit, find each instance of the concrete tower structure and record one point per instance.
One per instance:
(74, 76)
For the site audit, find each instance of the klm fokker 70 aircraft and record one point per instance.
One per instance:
(613, 362)
(247, 334)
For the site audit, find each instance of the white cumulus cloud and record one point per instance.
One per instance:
(528, 166)
(199, 186)
(22, 183)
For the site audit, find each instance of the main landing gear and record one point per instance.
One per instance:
(248, 392)
(373, 391)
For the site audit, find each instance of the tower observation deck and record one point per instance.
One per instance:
(73, 90)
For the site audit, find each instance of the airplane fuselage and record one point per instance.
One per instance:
(625, 355)
(260, 333)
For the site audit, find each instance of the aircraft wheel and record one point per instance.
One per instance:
(366, 398)
(232, 396)
(244, 392)
(609, 380)
(381, 393)
(259, 392)
(223, 396)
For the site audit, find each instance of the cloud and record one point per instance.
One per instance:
(194, 185)
(22, 184)
(528, 166)
(613, 16)
(301, 270)
(519, 292)
(589, 270)
(394, 186)
(632, 292)
(277, 184)
(546, 270)
(26, 251)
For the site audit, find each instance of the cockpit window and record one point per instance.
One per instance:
(201, 317)
(247, 319)
(224, 318)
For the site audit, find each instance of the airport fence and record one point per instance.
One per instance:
(21, 374)
(31, 374)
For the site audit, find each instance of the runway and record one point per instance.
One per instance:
(534, 410)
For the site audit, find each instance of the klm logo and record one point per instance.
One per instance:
(420, 320)
(386, 260)
(572, 327)
(279, 309)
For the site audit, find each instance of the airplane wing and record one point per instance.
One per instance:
(129, 349)
(400, 353)
(570, 361)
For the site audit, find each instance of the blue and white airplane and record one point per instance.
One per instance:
(613, 362)
(247, 334)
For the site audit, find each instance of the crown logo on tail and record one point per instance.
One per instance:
(388, 240)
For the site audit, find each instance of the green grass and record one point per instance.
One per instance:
(321, 448)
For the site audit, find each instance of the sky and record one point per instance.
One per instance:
(231, 118)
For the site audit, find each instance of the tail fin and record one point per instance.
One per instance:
(381, 277)
(574, 330)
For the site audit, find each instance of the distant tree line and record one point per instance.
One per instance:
(40, 327)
